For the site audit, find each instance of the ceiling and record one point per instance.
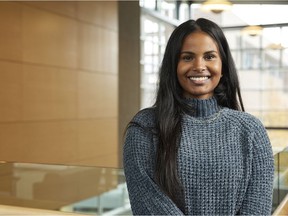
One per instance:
(249, 1)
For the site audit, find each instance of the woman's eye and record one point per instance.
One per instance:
(187, 58)
(210, 57)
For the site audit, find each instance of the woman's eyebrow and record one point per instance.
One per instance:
(211, 51)
(207, 52)
(187, 52)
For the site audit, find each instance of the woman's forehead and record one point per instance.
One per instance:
(199, 40)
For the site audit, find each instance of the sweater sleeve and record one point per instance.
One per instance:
(146, 198)
(258, 197)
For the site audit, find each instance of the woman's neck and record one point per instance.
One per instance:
(203, 107)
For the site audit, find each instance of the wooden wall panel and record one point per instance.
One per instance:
(11, 31)
(49, 93)
(59, 82)
(49, 38)
(91, 47)
(10, 91)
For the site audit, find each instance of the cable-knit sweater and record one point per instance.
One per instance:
(225, 163)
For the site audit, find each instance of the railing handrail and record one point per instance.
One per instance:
(282, 209)
(276, 128)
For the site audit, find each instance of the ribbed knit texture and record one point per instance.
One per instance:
(225, 163)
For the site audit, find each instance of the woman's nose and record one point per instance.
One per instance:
(198, 65)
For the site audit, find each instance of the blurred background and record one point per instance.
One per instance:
(73, 74)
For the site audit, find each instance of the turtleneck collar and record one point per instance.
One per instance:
(203, 107)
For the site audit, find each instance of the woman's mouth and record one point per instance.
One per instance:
(202, 78)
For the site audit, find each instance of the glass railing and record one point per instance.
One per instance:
(77, 189)
(281, 177)
(88, 190)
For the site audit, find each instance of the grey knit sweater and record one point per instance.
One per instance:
(225, 164)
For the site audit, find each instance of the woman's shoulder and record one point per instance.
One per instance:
(243, 119)
(145, 117)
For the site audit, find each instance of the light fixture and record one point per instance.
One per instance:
(252, 30)
(275, 46)
(216, 6)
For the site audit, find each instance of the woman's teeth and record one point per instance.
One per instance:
(199, 78)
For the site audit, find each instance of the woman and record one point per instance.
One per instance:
(196, 152)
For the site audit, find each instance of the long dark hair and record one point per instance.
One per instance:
(170, 106)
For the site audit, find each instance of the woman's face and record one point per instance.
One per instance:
(199, 67)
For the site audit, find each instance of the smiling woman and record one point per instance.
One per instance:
(196, 152)
(200, 67)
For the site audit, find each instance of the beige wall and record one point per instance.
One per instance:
(129, 67)
(59, 82)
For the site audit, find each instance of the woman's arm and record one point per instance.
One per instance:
(258, 198)
(146, 197)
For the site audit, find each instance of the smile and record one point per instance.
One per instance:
(199, 78)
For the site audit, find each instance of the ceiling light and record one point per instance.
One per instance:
(216, 6)
(252, 30)
(275, 46)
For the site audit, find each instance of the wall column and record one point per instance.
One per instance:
(129, 65)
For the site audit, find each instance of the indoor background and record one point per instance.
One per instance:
(73, 73)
